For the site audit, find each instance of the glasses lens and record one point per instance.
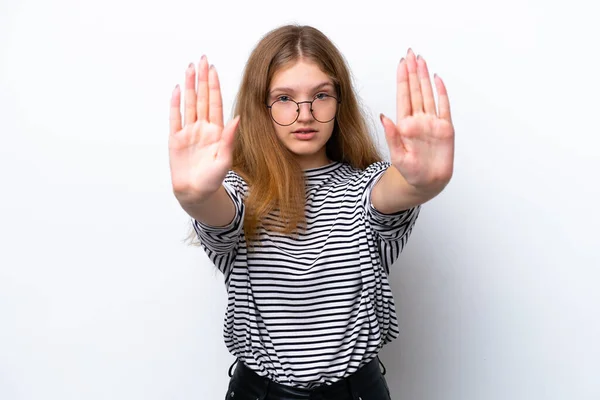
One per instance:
(284, 112)
(324, 108)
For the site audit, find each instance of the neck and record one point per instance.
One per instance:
(313, 162)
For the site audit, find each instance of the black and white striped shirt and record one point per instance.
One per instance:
(312, 309)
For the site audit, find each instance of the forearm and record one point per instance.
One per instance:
(217, 210)
(392, 194)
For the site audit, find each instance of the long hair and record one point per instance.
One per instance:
(275, 180)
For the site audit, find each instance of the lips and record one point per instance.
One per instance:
(304, 134)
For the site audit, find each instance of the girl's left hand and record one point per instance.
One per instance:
(421, 143)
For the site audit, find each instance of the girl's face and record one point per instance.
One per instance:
(306, 135)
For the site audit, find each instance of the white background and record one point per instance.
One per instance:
(497, 290)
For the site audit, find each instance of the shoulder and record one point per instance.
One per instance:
(376, 168)
(236, 182)
(362, 177)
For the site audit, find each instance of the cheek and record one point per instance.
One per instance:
(280, 131)
(329, 129)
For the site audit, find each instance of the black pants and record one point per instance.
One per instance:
(368, 383)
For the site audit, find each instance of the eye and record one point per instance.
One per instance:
(283, 98)
(321, 96)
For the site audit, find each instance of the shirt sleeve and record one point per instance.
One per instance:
(391, 230)
(221, 243)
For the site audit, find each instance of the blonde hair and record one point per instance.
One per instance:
(275, 180)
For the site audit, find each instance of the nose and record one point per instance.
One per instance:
(305, 115)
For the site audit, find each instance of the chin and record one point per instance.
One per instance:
(305, 151)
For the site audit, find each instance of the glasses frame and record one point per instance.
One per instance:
(337, 101)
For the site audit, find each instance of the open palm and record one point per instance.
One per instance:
(200, 151)
(421, 143)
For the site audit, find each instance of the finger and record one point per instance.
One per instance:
(175, 113)
(413, 80)
(202, 105)
(228, 138)
(426, 89)
(190, 96)
(403, 107)
(215, 108)
(392, 136)
(443, 100)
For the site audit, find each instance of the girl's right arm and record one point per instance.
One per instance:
(217, 210)
(200, 149)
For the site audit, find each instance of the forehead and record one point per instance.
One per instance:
(300, 75)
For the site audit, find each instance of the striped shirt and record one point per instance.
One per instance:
(311, 309)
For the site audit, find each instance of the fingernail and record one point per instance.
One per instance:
(191, 65)
(381, 117)
(203, 58)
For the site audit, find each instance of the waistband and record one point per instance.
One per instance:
(364, 377)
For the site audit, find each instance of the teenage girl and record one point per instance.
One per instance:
(293, 204)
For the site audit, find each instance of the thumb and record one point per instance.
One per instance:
(392, 136)
(228, 136)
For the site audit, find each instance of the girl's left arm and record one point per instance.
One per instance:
(421, 142)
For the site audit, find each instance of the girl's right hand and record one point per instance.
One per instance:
(200, 152)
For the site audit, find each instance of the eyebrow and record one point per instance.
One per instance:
(289, 89)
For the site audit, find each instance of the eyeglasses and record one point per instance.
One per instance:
(285, 111)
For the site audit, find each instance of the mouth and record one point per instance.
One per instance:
(304, 133)
(304, 130)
